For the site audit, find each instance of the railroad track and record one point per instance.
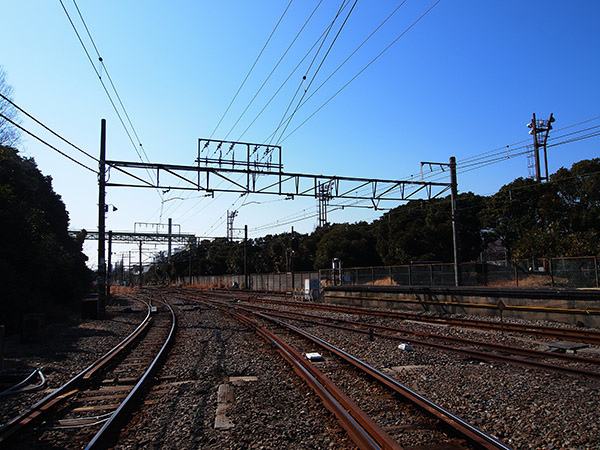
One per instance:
(422, 420)
(89, 410)
(581, 335)
(588, 367)
(569, 364)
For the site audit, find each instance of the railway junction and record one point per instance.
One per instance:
(189, 367)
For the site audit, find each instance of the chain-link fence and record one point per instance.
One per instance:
(546, 272)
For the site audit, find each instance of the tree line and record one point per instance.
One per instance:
(42, 268)
(523, 220)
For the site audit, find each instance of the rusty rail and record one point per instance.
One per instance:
(486, 356)
(469, 432)
(360, 427)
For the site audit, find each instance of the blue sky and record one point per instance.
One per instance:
(462, 81)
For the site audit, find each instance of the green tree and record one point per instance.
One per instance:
(9, 134)
(421, 230)
(41, 265)
(354, 244)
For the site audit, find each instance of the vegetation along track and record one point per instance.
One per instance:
(361, 415)
(88, 410)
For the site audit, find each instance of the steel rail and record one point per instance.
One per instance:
(587, 336)
(484, 356)
(360, 427)
(491, 345)
(106, 434)
(466, 430)
(67, 389)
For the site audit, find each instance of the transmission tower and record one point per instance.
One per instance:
(539, 131)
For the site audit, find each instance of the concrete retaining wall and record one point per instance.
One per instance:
(578, 307)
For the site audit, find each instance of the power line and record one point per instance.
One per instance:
(47, 128)
(251, 69)
(47, 144)
(322, 39)
(282, 85)
(476, 162)
(104, 85)
(355, 51)
(110, 80)
(360, 72)
(274, 68)
(66, 140)
(317, 71)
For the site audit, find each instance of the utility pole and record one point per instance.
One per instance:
(101, 219)
(192, 246)
(141, 268)
(539, 131)
(169, 239)
(245, 256)
(454, 213)
(109, 277)
(292, 259)
(455, 222)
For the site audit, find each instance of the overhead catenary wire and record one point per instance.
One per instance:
(251, 69)
(274, 69)
(359, 73)
(287, 120)
(104, 85)
(110, 80)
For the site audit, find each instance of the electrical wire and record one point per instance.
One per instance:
(475, 162)
(317, 70)
(251, 69)
(111, 81)
(322, 40)
(354, 51)
(40, 123)
(47, 144)
(360, 72)
(274, 69)
(48, 128)
(104, 85)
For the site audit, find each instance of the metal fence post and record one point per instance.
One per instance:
(596, 270)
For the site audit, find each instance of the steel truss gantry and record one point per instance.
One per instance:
(260, 171)
(258, 174)
(135, 238)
